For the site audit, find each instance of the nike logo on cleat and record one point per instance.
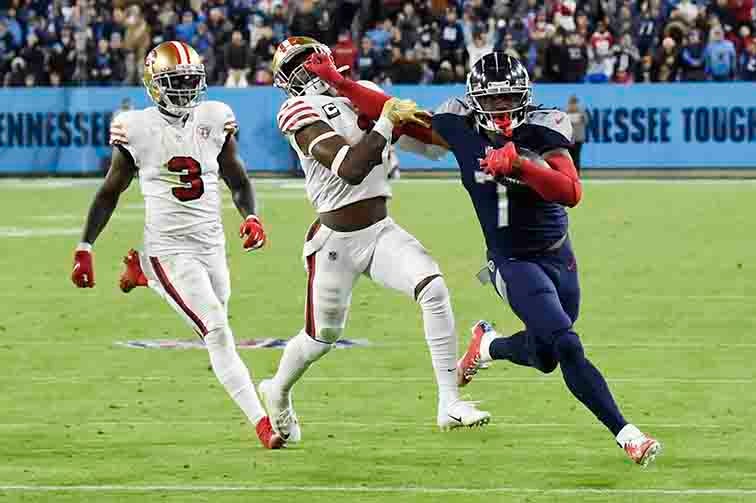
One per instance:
(457, 419)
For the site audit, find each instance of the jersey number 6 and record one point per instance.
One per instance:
(191, 174)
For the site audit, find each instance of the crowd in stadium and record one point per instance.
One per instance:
(99, 42)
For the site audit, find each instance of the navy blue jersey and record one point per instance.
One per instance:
(515, 220)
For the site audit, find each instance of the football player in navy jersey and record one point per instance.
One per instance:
(515, 165)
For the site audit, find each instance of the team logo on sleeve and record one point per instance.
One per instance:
(204, 131)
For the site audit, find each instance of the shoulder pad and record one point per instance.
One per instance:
(456, 106)
(299, 112)
(552, 119)
(218, 112)
(120, 126)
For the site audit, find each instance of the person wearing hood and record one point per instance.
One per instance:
(692, 58)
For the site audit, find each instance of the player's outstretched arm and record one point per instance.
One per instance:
(370, 102)
(119, 177)
(243, 193)
(354, 163)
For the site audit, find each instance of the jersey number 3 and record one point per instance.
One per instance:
(191, 174)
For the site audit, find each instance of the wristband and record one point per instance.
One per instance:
(384, 127)
(84, 246)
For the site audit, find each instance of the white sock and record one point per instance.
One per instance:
(627, 434)
(438, 320)
(300, 352)
(485, 345)
(232, 373)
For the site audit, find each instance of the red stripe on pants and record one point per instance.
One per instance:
(171, 291)
(309, 308)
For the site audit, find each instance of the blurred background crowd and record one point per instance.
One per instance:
(103, 42)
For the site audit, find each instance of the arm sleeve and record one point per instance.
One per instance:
(560, 184)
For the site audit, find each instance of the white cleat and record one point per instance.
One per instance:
(283, 418)
(462, 413)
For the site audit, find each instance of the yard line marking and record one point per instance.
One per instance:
(18, 232)
(702, 491)
(347, 379)
(297, 183)
(353, 424)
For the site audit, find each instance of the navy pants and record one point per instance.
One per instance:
(544, 293)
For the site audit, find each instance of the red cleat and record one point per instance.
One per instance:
(132, 276)
(269, 438)
(468, 365)
(643, 450)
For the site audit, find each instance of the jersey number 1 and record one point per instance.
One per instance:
(191, 174)
(503, 202)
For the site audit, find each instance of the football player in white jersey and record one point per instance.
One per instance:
(346, 171)
(181, 149)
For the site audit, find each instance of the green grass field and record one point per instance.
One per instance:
(668, 314)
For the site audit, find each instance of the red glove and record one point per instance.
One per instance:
(324, 67)
(252, 230)
(498, 162)
(83, 269)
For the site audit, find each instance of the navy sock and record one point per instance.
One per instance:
(514, 348)
(587, 384)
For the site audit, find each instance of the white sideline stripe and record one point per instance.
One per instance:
(295, 183)
(703, 491)
(347, 379)
(18, 232)
(371, 425)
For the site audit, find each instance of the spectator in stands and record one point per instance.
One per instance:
(305, 21)
(579, 120)
(409, 22)
(481, 44)
(380, 35)
(665, 64)
(34, 57)
(626, 58)
(17, 75)
(405, 68)
(647, 29)
(101, 64)
(555, 60)
(237, 58)
(428, 49)
(279, 22)
(345, 51)
(452, 37)
(445, 73)
(368, 61)
(187, 29)
(576, 58)
(138, 37)
(692, 58)
(720, 57)
(265, 47)
(623, 23)
(219, 27)
(748, 63)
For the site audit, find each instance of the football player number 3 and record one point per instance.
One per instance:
(191, 178)
(501, 193)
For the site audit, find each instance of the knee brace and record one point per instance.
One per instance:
(332, 308)
(568, 348)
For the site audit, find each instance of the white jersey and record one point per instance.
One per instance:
(326, 191)
(177, 162)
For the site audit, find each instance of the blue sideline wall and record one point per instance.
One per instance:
(64, 131)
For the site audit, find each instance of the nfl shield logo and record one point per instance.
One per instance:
(204, 131)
